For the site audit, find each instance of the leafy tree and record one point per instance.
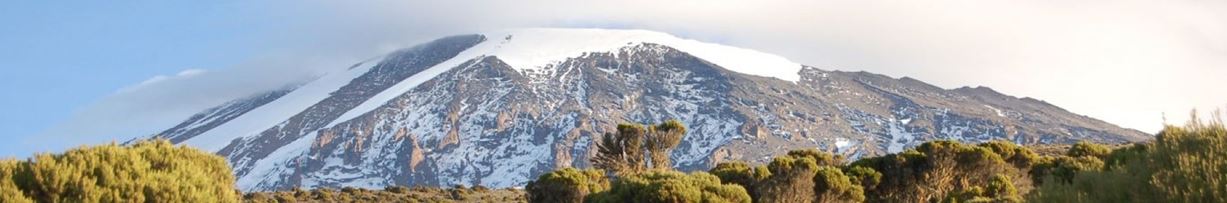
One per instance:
(661, 139)
(622, 152)
(567, 185)
(635, 148)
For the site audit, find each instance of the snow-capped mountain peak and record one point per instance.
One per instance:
(502, 107)
(536, 48)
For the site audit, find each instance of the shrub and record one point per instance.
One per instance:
(397, 189)
(820, 158)
(831, 185)
(672, 186)
(8, 189)
(1063, 168)
(566, 185)
(938, 170)
(154, 171)
(1087, 149)
(792, 180)
(742, 174)
(1183, 164)
(866, 177)
(1019, 156)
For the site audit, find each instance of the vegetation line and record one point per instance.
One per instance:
(1182, 164)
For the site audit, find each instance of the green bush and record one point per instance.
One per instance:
(1088, 149)
(742, 174)
(938, 170)
(566, 185)
(1019, 156)
(8, 189)
(1183, 164)
(791, 180)
(1063, 168)
(866, 177)
(820, 158)
(831, 185)
(672, 186)
(153, 171)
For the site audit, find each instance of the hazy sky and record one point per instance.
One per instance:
(92, 72)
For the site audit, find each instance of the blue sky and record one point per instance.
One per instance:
(59, 56)
(71, 71)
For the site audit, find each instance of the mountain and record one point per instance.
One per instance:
(497, 109)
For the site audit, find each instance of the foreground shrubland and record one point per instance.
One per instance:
(1182, 164)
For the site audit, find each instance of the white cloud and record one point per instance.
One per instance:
(165, 100)
(1126, 62)
(158, 79)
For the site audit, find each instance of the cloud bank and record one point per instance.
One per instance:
(1126, 62)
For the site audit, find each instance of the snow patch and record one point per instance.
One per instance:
(899, 138)
(537, 48)
(534, 49)
(271, 168)
(842, 143)
(268, 115)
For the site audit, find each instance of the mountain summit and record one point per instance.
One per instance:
(497, 109)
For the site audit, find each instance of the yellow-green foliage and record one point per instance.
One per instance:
(567, 185)
(1063, 168)
(831, 185)
(150, 171)
(8, 189)
(672, 186)
(1019, 156)
(740, 173)
(866, 177)
(944, 170)
(999, 189)
(791, 180)
(1183, 164)
(799, 176)
(1087, 149)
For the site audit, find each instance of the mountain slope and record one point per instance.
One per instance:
(498, 108)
